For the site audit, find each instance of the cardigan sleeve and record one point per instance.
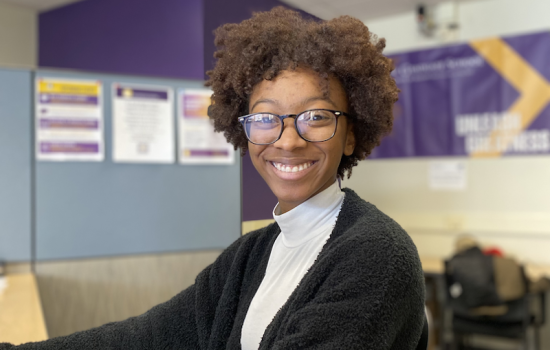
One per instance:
(368, 298)
(180, 323)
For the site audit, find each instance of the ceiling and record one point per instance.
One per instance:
(361, 9)
(39, 5)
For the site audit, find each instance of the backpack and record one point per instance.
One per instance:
(480, 284)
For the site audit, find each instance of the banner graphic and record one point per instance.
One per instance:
(488, 98)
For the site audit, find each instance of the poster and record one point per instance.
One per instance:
(486, 98)
(447, 175)
(69, 120)
(198, 143)
(143, 123)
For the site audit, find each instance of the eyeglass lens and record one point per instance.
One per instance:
(314, 125)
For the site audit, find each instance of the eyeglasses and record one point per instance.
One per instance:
(314, 125)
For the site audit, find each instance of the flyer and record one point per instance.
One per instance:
(143, 123)
(69, 120)
(447, 175)
(198, 143)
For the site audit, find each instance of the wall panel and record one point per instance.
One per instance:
(82, 294)
(15, 165)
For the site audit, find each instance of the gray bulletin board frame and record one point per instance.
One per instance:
(15, 165)
(92, 209)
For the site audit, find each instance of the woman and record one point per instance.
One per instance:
(307, 100)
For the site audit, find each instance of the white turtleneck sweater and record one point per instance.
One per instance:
(304, 231)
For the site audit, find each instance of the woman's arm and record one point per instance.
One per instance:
(183, 322)
(168, 325)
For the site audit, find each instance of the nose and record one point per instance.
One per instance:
(290, 139)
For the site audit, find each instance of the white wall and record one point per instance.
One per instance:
(477, 19)
(507, 200)
(506, 203)
(18, 36)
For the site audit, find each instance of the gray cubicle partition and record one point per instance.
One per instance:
(15, 165)
(90, 209)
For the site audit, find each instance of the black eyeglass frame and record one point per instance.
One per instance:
(337, 114)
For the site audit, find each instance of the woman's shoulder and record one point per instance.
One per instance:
(254, 241)
(365, 228)
(362, 215)
(369, 249)
(245, 251)
(260, 236)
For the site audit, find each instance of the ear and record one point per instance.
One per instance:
(349, 147)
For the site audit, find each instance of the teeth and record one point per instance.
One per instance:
(291, 169)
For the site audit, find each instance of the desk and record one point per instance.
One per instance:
(21, 317)
(432, 266)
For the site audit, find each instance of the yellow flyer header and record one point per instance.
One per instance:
(69, 88)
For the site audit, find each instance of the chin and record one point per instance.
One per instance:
(295, 194)
(292, 197)
(289, 193)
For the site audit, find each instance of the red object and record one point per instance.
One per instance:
(493, 251)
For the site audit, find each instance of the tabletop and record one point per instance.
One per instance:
(21, 316)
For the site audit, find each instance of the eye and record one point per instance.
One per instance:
(316, 118)
(263, 121)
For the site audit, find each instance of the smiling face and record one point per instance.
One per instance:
(292, 92)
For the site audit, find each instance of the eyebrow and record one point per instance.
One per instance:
(303, 102)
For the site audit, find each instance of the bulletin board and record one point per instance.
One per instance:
(90, 209)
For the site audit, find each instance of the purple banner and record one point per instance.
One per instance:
(68, 99)
(68, 124)
(128, 92)
(69, 147)
(486, 98)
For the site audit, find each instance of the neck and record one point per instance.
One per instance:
(285, 206)
(315, 215)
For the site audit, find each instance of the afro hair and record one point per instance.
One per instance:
(281, 39)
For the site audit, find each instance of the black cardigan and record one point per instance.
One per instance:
(364, 291)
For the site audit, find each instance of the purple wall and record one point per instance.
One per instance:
(258, 200)
(146, 37)
(218, 12)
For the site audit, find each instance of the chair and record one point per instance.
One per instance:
(513, 324)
